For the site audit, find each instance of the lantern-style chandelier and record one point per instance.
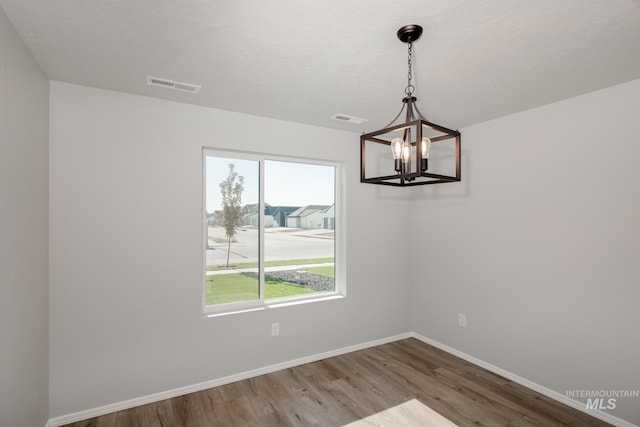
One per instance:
(413, 142)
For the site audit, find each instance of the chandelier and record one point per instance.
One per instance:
(412, 142)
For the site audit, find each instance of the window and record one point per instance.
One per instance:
(271, 228)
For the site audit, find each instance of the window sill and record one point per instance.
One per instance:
(271, 305)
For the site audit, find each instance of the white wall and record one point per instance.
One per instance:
(540, 246)
(24, 294)
(126, 247)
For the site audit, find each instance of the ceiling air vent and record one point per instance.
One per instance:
(185, 87)
(348, 119)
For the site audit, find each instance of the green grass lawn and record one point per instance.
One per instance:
(236, 287)
(328, 271)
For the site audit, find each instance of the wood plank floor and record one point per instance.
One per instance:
(394, 384)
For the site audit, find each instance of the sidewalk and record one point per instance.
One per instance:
(267, 269)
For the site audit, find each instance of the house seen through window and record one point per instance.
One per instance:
(270, 230)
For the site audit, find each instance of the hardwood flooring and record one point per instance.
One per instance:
(404, 383)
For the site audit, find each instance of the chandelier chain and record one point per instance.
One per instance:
(410, 87)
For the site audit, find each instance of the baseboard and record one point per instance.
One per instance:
(525, 382)
(127, 404)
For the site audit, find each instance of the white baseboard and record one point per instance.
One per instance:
(529, 384)
(127, 404)
(119, 406)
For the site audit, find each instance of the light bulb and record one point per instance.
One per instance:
(406, 151)
(426, 147)
(396, 148)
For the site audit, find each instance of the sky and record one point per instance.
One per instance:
(286, 183)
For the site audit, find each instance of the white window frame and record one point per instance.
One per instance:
(340, 289)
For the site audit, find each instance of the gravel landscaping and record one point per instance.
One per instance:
(311, 281)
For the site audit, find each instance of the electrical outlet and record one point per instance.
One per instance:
(462, 320)
(275, 329)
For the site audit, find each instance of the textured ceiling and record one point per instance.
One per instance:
(307, 60)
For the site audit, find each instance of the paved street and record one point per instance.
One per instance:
(280, 244)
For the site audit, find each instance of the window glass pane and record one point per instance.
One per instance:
(299, 229)
(231, 196)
